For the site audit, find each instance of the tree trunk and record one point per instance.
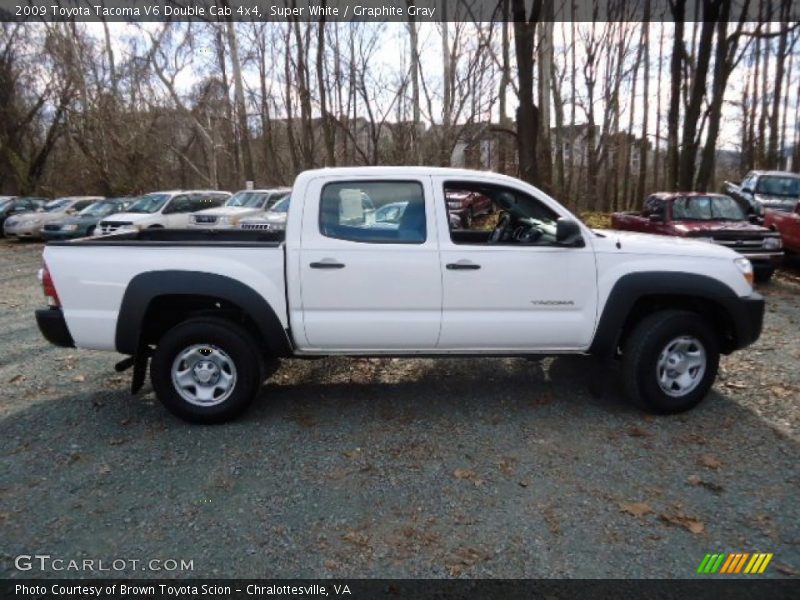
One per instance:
(527, 111)
(241, 107)
(678, 9)
(641, 183)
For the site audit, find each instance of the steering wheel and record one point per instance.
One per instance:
(499, 232)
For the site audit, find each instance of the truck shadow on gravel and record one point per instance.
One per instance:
(480, 467)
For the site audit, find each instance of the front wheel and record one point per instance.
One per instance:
(206, 370)
(670, 362)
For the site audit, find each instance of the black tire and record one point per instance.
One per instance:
(229, 338)
(640, 358)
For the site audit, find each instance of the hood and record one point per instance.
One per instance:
(41, 217)
(130, 217)
(695, 227)
(80, 219)
(227, 211)
(646, 243)
(268, 217)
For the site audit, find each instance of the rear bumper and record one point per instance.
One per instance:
(53, 326)
(748, 319)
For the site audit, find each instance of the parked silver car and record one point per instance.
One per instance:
(243, 204)
(272, 220)
(29, 225)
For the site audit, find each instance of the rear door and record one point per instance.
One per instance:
(365, 285)
(513, 296)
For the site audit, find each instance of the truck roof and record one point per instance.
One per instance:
(403, 170)
(673, 195)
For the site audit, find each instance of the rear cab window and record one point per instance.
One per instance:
(377, 212)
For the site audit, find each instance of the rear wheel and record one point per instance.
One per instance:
(670, 361)
(206, 370)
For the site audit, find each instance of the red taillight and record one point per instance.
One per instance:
(49, 288)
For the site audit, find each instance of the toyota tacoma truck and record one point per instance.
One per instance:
(210, 312)
(712, 218)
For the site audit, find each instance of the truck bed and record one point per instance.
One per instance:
(183, 237)
(93, 274)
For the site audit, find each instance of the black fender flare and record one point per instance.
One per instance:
(144, 288)
(744, 314)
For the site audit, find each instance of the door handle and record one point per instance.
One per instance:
(462, 266)
(326, 264)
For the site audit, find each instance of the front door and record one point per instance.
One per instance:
(370, 282)
(522, 293)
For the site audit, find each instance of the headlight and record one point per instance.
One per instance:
(71, 227)
(228, 220)
(746, 268)
(773, 243)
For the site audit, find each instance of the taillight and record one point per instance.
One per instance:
(49, 288)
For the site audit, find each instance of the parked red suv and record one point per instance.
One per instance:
(712, 217)
(467, 205)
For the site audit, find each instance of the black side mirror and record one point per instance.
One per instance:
(568, 232)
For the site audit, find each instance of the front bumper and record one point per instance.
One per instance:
(54, 328)
(62, 235)
(25, 231)
(748, 318)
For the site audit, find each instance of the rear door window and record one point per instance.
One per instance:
(385, 212)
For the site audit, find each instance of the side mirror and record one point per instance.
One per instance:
(656, 218)
(568, 232)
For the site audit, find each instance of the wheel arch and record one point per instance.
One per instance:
(157, 300)
(638, 295)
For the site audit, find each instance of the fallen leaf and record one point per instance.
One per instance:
(104, 470)
(79, 378)
(352, 453)
(637, 509)
(331, 565)
(710, 461)
(709, 485)
(464, 474)
(17, 378)
(116, 441)
(691, 524)
(523, 483)
(638, 432)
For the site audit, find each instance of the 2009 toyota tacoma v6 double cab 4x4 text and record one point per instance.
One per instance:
(213, 311)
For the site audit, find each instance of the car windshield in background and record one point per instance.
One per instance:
(149, 203)
(707, 208)
(281, 206)
(776, 185)
(57, 205)
(98, 209)
(247, 199)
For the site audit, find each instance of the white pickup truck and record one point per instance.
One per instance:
(213, 311)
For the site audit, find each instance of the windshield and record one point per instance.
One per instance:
(281, 206)
(3, 202)
(58, 205)
(98, 209)
(777, 185)
(707, 208)
(247, 200)
(149, 203)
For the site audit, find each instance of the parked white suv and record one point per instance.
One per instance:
(169, 210)
(245, 203)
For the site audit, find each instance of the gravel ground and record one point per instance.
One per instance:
(397, 468)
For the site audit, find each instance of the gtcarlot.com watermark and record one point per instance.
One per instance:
(46, 562)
